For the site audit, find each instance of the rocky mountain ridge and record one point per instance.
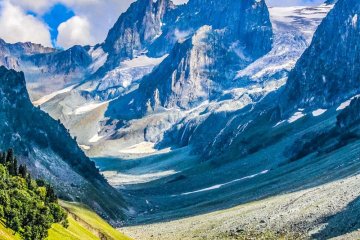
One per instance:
(46, 147)
(135, 30)
(141, 76)
(328, 71)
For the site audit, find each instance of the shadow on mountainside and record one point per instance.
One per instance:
(341, 223)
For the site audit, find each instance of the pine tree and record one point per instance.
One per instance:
(28, 181)
(9, 156)
(15, 167)
(23, 171)
(2, 158)
(11, 163)
(50, 194)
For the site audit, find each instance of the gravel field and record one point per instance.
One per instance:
(315, 213)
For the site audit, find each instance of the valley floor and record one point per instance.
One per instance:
(324, 212)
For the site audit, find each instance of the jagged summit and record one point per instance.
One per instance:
(209, 41)
(155, 27)
(246, 21)
(202, 70)
(196, 70)
(136, 29)
(329, 70)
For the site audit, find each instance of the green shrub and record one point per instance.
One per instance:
(28, 207)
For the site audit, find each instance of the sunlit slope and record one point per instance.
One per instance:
(84, 224)
(6, 233)
(74, 231)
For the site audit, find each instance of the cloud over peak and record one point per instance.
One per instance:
(75, 31)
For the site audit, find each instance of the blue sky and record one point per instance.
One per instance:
(63, 23)
(57, 14)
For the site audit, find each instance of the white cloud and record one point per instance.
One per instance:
(38, 6)
(16, 26)
(75, 31)
(41, 6)
(100, 14)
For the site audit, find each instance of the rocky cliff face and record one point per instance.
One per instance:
(49, 151)
(136, 29)
(217, 40)
(329, 70)
(156, 26)
(196, 70)
(323, 80)
(245, 21)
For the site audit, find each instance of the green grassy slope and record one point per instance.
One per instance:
(7, 234)
(84, 224)
(74, 231)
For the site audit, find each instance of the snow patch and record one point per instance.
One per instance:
(95, 138)
(141, 148)
(129, 72)
(99, 58)
(346, 103)
(85, 147)
(224, 184)
(88, 108)
(143, 61)
(119, 179)
(355, 20)
(181, 36)
(47, 98)
(296, 117)
(293, 30)
(319, 112)
(279, 123)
